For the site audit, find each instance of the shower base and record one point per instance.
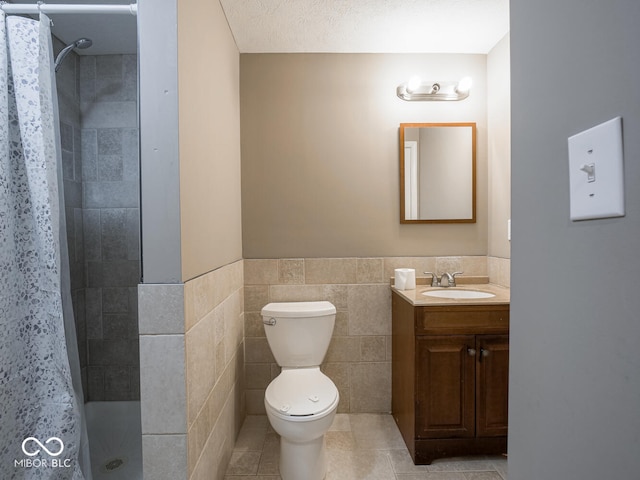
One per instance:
(115, 440)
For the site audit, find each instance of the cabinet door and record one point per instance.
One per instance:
(445, 386)
(492, 377)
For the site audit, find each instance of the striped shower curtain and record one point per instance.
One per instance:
(40, 431)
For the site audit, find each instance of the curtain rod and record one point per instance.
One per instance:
(42, 7)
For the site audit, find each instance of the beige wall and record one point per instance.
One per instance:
(192, 332)
(499, 120)
(209, 113)
(320, 154)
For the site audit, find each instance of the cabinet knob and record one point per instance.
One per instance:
(484, 353)
(471, 352)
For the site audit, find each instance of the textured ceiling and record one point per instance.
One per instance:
(344, 26)
(376, 26)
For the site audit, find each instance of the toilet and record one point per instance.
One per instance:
(301, 401)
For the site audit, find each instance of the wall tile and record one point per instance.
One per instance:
(257, 351)
(330, 270)
(343, 349)
(420, 264)
(370, 270)
(164, 457)
(370, 387)
(162, 384)
(200, 364)
(89, 154)
(295, 293)
(109, 114)
(130, 153)
(260, 272)
(111, 194)
(161, 308)
(369, 310)
(87, 78)
(110, 168)
(373, 349)
(291, 271)
(119, 326)
(255, 297)
(113, 352)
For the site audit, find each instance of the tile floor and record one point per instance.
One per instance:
(359, 447)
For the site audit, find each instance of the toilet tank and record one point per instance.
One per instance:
(299, 332)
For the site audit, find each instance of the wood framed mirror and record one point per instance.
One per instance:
(437, 173)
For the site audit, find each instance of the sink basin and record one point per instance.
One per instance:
(454, 293)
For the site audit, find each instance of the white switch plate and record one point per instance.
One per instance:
(596, 177)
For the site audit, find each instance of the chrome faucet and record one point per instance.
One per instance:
(437, 282)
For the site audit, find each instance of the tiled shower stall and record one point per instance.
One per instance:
(99, 135)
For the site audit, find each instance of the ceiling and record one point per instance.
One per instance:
(342, 26)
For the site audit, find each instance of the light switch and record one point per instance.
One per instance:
(596, 176)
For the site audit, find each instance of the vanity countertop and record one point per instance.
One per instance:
(416, 298)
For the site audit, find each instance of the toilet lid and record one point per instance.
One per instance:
(301, 392)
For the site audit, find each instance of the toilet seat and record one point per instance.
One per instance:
(301, 394)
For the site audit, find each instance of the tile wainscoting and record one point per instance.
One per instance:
(359, 356)
(192, 374)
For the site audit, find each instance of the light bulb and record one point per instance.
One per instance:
(464, 85)
(414, 83)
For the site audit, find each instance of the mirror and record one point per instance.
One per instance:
(437, 173)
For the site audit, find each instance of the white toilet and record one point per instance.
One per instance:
(301, 402)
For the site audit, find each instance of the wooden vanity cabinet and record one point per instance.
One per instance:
(450, 378)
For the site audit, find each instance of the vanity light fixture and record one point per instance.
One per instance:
(417, 90)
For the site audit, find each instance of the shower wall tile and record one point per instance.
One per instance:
(109, 141)
(78, 236)
(123, 194)
(67, 165)
(99, 134)
(92, 234)
(89, 153)
(114, 234)
(118, 326)
(117, 383)
(87, 78)
(93, 310)
(130, 149)
(130, 77)
(69, 114)
(110, 168)
(66, 136)
(109, 115)
(115, 300)
(113, 352)
(95, 383)
(108, 66)
(72, 193)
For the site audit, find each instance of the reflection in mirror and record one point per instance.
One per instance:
(437, 173)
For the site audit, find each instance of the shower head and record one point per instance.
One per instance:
(83, 43)
(80, 43)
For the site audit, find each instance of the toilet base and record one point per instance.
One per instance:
(303, 460)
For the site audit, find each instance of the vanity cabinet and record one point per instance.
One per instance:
(450, 378)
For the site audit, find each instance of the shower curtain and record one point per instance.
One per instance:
(40, 412)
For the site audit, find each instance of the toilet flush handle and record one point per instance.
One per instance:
(271, 321)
